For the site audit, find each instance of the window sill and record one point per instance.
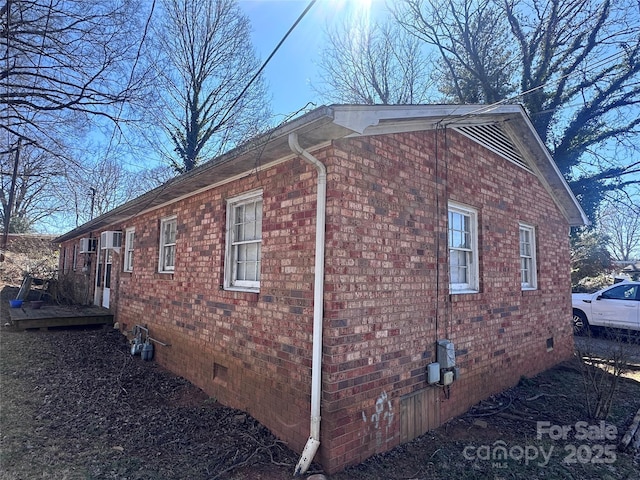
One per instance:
(242, 293)
(242, 289)
(530, 292)
(463, 292)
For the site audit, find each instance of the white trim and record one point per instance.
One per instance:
(472, 285)
(162, 245)
(129, 246)
(232, 245)
(532, 284)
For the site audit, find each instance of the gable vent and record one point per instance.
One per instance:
(493, 137)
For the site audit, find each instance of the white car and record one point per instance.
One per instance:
(617, 306)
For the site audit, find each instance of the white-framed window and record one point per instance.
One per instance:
(528, 267)
(75, 257)
(167, 260)
(463, 249)
(129, 245)
(244, 242)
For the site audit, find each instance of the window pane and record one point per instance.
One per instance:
(459, 266)
(250, 213)
(250, 225)
(252, 252)
(525, 242)
(169, 256)
(525, 268)
(457, 239)
(259, 219)
(242, 271)
(239, 214)
(625, 292)
(170, 232)
(455, 222)
(239, 232)
(459, 231)
(248, 264)
(250, 271)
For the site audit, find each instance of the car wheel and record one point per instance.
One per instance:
(580, 323)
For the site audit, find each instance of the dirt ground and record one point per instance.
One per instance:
(74, 404)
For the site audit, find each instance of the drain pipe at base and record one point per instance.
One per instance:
(313, 443)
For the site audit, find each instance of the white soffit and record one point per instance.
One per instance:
(493, 137)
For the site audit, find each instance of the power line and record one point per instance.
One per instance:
(227, 114)
(224, 118)
(295, 24)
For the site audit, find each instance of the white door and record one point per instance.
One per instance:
(97, 293)
(618, 307)
(106, 288)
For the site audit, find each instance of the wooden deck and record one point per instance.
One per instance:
(48, 316)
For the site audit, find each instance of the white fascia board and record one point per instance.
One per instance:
(380, 119)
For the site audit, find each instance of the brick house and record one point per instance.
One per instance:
(352, 278)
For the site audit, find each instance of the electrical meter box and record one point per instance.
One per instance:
(447, 378)
(446, 354)
(433, 373)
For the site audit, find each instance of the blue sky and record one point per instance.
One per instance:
(293, 68)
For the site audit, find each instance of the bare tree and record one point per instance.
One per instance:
(574, 63)
(33, 184)
(100, 185)
(371, 63)
(63, 64)
(205, 60)
(64, 60)
(620, 222)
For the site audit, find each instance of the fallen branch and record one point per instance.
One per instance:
(535, 397)
(624, 443)
(237, 465)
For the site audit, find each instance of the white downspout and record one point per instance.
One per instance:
(313, 443)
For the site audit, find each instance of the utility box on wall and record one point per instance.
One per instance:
(446, 354)
(433, 373)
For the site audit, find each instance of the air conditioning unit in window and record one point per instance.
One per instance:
(110, 239)
(88, 245)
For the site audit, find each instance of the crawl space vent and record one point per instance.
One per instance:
(493, 137)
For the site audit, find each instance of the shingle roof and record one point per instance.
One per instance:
(505, 129)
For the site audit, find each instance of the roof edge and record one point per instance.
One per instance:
(327, 123)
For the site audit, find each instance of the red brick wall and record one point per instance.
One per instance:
(386, 299)
(249, 350)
